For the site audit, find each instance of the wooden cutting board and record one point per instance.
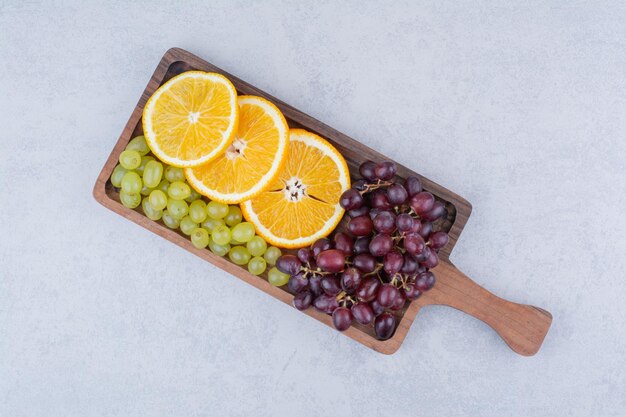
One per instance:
(523, 327)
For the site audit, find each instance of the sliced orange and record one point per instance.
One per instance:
(302, 204)
(191, 118)
(254, 158)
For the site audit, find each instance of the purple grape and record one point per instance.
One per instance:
(404, 222)
(413, 186)
(396, 194)
(432, 260)
(422, 202)
(362, 211)
(351, 199)
(359, 185)
(420, 269)
(438, 240)
(377, 308)
(362, 313)
(411, 292)
(410, 265)
(344, 243)
(436, 212)
(381, 244)
(326, 303)
(288, 264)
(342, 318)
(387, 295)
(368, 289)
(425, 281)
(378, 199)
(305, 255)
(350, 280)
(425, 229)
(367, 170)
(365, 262)
(361, 245)
(417, 226)
(374, 212)
(399, 302)
(330, 285)
(297, 283)
(361, 226)
(331, 260)
(413, 243)
(385, 170)
(320, 245)
(423, 255)
(303, 300)
(385, 222)
(315, 285)
(384, 325)
(393, 262)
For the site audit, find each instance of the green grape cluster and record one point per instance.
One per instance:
(163, 193)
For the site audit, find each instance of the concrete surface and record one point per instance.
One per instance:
(519, 107)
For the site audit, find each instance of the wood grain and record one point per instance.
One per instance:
(522, 327)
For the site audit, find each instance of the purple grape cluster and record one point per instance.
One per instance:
(368, 273)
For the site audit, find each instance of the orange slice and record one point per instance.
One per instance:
(191, 119)
(253, 159)
(302, 204)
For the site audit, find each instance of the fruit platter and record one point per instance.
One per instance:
(296, 209)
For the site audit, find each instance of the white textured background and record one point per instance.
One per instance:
(520, 108)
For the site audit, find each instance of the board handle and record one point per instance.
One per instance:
(522, 327)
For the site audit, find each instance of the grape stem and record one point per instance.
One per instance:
(371, 187)
(379, 266)
(413, 214)
(317, 271)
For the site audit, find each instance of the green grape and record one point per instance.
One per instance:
(178, 190)
(187, 225)
(210, 224)
(163, 186)
(138, 144)
(174, 174)
(199, 237)
(158, 199)
(217, 210)
(144, 161)
(277, 278)
(243, 232)
(234, 216)
(257, 265)
(193, 196)
(145, 191)
(131, 183)
(170, 221)
(234, 241)
(130, 159)
(117, 175)
(221, 234)
(271, 254)
(149, 211)
(239, 255)
(177, 208)
(130, 200)
(219, 250)
(152, 173)
(197, 211)
(256, 246)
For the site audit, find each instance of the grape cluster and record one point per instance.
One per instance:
(164, 194)
(368, 273)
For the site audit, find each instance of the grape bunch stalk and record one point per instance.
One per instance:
(369, 272)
